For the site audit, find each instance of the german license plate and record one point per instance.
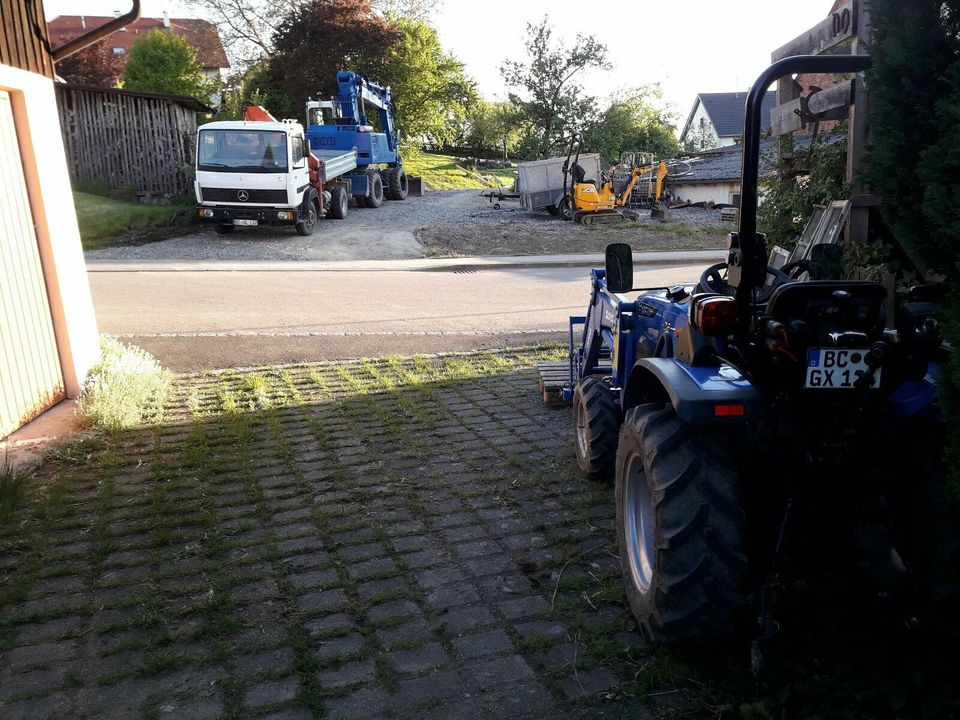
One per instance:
(244, 222)
(837, 368)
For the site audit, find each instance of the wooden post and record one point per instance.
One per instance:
(787, 91)
(858, 226)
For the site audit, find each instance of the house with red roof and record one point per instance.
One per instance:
(199, 34)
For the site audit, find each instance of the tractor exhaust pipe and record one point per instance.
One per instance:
(751, 254)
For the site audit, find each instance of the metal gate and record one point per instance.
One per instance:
(30, 376)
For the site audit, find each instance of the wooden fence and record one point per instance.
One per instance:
(129, 139)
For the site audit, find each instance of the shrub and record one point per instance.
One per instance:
(126, 388)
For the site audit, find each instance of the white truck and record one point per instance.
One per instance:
(260, 171)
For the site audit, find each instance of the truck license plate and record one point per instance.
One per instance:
(837, 368)
(244, 222)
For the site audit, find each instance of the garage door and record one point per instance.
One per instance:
(30, 376)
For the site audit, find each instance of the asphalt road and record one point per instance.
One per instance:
(201, 316)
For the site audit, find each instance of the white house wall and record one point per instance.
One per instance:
(701, 117)
(716, 192)
(58, 237)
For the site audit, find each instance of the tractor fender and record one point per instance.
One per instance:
(695, 392)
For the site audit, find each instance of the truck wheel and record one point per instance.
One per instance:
(307, 225)
(375, 198)
(597, 424)
(225, 229)
(397, 184)
(553, 210)
(338, 203)
(680, 526)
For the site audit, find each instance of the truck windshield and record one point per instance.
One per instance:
(242, 150)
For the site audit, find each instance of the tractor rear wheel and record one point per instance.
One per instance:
(397, 184)
(338, 203)
(680, 526)
(596, 421)
(375, 197)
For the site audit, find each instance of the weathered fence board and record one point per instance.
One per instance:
(126, 139)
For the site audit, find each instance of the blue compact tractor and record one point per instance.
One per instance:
(729, 410)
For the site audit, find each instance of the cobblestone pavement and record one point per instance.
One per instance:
(391, 538)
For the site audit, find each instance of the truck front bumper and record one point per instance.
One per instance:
(245, 215)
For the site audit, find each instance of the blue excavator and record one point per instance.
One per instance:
(343, 123)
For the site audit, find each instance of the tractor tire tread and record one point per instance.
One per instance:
(396, 187)
(375, 197)
(594, 399)
(700, 564)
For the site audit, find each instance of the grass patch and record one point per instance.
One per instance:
(105, 221)
(13, 490)
(126, 388)
(444, 172)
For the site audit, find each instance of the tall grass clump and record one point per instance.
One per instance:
(128, 387)
(13, 490)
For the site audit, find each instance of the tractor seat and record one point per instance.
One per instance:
(851, 305)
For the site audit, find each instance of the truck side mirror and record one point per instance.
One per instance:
(619, 264)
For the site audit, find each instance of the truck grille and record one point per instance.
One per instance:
(233, 195)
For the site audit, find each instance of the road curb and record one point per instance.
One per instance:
(465, 264)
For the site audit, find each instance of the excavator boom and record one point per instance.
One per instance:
(659, 172)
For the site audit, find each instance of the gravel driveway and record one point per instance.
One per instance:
(445, 223)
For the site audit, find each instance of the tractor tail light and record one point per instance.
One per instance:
(730, 410)
(714, 316)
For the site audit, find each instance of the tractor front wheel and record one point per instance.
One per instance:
(596, 421)
(680, 526)
(566, 213)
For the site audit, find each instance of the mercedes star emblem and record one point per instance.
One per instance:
(242, 196)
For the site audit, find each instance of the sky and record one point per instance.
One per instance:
(687, 46)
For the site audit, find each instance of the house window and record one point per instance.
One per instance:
(119, 51)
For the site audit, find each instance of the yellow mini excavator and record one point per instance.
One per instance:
(589, 201)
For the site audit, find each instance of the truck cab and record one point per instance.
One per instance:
(254, 173)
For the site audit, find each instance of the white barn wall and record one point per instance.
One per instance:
(58, 237)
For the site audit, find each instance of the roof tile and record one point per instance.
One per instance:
(200, 34)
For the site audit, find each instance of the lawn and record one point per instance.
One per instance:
(105, 221)
(444, 172)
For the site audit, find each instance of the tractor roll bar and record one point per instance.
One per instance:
(750, 169)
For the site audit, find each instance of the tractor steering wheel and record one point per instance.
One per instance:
(714, 280)
(795, 269)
